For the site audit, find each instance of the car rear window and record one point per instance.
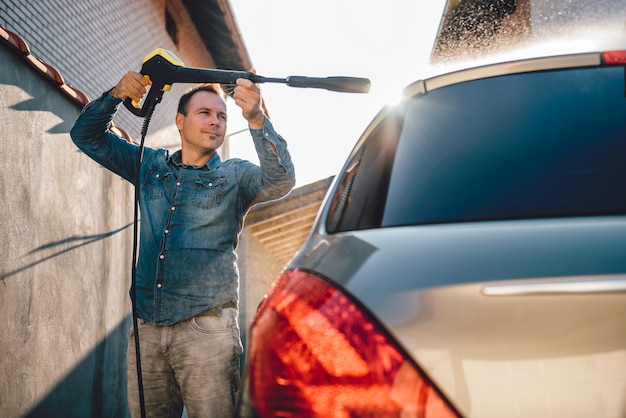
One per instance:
(534, 145)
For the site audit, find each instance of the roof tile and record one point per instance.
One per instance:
(46, 70)
(51, 74)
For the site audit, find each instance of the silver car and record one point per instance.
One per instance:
(468, 260)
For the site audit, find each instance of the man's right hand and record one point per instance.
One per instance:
(132, 85)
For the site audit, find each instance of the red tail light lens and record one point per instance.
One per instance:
(314, 353)
(614, 58)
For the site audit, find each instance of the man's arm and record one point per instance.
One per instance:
(91, 132)
(277, 170)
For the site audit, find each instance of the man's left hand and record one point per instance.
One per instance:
(247, 96)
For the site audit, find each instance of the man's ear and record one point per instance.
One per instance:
(179, 121)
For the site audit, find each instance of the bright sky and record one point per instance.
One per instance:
(388, 42)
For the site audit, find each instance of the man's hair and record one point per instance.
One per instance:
(183, 103)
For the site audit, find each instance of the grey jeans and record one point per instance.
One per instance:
(194, 364)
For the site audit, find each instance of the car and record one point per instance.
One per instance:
(468, 260)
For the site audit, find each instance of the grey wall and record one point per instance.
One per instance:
(64, 265)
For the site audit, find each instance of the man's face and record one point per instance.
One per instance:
(202, 130)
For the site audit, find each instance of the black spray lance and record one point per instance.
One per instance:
(162, 69)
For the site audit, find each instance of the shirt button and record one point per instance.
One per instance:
(210, 184)
(161, 256)
(157, 176)
(173, 208)
(159, 285)
(178, 183)
(167, 231)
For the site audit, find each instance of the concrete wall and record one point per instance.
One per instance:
(65, 264)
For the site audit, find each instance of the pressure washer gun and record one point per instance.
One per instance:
(163, 69)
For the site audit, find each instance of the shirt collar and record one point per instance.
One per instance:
(212, 164)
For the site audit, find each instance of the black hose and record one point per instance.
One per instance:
(133, 291)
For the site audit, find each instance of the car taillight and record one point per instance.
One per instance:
(314, 353)
(613, 57)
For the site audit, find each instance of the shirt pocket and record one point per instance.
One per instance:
(209, 191)
(155, 183)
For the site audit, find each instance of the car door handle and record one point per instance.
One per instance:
(558, 285)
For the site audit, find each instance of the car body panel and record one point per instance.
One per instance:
(477, 347)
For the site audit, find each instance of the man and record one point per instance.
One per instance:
(192, 209)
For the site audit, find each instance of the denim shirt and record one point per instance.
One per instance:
(191, 216)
